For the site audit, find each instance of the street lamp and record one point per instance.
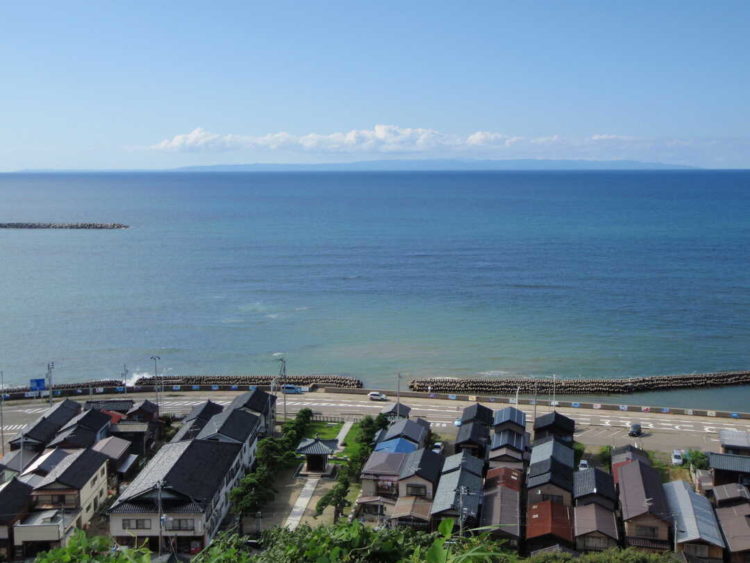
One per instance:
(50, 367)
(2, 401)
(156, 378)
(282, 375)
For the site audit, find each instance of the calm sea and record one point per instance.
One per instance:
(594, 274)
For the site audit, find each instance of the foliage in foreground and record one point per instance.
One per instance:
(99, 549)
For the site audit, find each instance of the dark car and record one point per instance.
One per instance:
(635, 430)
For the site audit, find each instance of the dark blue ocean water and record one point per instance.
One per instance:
(575, 273)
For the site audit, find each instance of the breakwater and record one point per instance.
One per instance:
(63, 226)
(530, 385)
(306, 380)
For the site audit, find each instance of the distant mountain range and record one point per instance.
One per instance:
(442, 164)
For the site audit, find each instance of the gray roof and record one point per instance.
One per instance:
(501, 507)
(641, 492)
(735, 523)
(424, 463)
(729, 462)
(734, 438)
(203, 411)
(47, 461)
(510, 414)
(316, 446)
(74, 437)
(550, 471)
(405, 428)
(730, 491)
(694, 516)
(14, 500)
(91, 419)
(195, 469)
(384, 463)
(509, 439)
(593, 481)
(555, 420)
(478, 413)
(53, 419)
(396, 409)
(75, 470)
(144, 405)
(255, 400)
(447, 495)
(473, 433)
(628, 452)
(117, 405)
(12, 460)
(464, 461)
(552, 449)
(595, 518)
(113, 447)
(234, 424)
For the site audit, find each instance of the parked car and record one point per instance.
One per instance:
(583, 464)
(292, 389)
(635, 430)
(438, 447)
(377, 396)
(677, 458)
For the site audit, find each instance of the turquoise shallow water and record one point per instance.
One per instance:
(575, 273)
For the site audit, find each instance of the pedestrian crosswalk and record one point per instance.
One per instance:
(13, 427)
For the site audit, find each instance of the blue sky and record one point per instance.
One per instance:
(164, 84)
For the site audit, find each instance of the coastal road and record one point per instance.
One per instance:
(595, 428)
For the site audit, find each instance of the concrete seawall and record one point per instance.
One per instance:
(63, 226)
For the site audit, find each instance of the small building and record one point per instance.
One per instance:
(121, 463)
(396, 411)
(38, 434)
(629, 452)
(408, 429)
(412, 511)
(509, 418)
(259, 403)
(459, 489)
(552, 448)
(735, 525)
(83, 430)
(549, 480)
(554, 424)
(643, 504)
(501, 504)
(696, 529)
(735, 442)
(730, 494)
(379, 479)
(141, 435)
(549, 524)
(477, 413)
(473, 437)
(121, 406)
(316, 452)
(729, 468)
(595, 528)
(508, 449)
(594, 486)
(15, 501)
(144, 411)
(420, 474)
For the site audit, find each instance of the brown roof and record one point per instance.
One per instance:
(414, 507)
(731, 491)
(501, 507)
(735, 523)
(551, 518)
(641, 492)
(595, 518)
(504, 477)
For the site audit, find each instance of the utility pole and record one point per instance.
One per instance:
(159, 486)
(535, 388)
(156, 381)
(518, 389)
(282, 375)
(2, 402)
(398, 395)
(554, 388)
(50, 367)
(462, 490)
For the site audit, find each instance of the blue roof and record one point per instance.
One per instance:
(397, 446)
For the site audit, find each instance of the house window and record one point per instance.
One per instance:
(593, 542)
(136, 524)
(416, 490)
(650, 532)
(696, 549)
(181, 524)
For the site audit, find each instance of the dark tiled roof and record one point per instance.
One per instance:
(595, 518)
(185, 507)
(48, 461)
(316, 446)
(14, 500)
(509, 439)
(75, 470)
(473, 433)
(463, 460)
(12, 460)
(735, 524)
(593, 481)
(424, 463)
(407, 429)
(204, 411)
(255, 400)
(552, 448)
(396, 409)
(117, 405)
(232, 423)
(557, 420)
(74, 437)
(384, 463)
(447, 492)
(501, 507)
(510, 414)
(62, 412)
(729, 462)
(52, 420)
(91, 420)
(478, 413)
(550, 471)
(145, 406)
(641, 492)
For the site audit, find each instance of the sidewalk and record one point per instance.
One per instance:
(342, 434)
(300, 505)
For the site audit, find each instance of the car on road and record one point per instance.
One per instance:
(438, 447)
(291, 389)
(635, 430)
(377, 396)
(583, 464)
(677, 458)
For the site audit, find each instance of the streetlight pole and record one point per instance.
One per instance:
(282, 375)
(398, 394)
(156, 379)
(554, 388)
(2, 402)
(50, 367)
(518, 389)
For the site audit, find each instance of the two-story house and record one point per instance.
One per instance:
(37, 435)
(15, 502)
(645, 513)
(379, 479)
(696, 530)
(235, 426)
(417, 482)
(195, 420)
(556, 425)
(83, 430)
(501, 504)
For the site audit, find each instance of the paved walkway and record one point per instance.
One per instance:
(343, 432)
(300, 505)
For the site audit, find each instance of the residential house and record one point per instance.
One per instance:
(396, 411)
(696, 529)
(595, 527)
(643, 505)
(15, 500)
(121, 462)
(15, 462)
(141, 435)
(144, 411)
(735, 442)
(549, 524)
(509, 418)
(594, 486)
(549, 480)
(508, 449)
(379, 480)
(195, 420)
(82, 431)
(552, 448)
(37, 435)
(316, 452)
(735, 525)
(501, 504)
(259, 403)
(43, 464)
(473, 437)
(479, 414)
(459, 491)
(626, 454)
(396, 445)
(234, 426)
(730, 494)
(729, 468)
(64, 499)
(417, 483)
(188, 483)
(463, 461)
(554, 424)
(408, 429)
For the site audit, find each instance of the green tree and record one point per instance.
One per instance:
(697, 459)
(605, 455)
(226, 548)
(252, 493)
(97, 549)
(336, 498)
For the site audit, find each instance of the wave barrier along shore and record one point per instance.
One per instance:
(63, 226)
(530, 385)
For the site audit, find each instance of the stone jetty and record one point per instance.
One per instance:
(562, 386)
(63, 226)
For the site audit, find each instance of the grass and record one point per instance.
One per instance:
(324, 430)
(351, 440)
